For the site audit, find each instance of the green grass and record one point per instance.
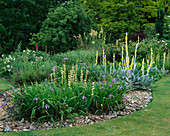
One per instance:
(4, 84)
(153, 120)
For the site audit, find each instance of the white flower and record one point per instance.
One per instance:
(23, 50)
(3, 55)
(8, 66)
(13, 58)
(7, 59)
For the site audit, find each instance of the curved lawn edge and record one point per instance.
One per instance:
(152, 120)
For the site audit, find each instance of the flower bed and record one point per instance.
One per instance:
(132, 102)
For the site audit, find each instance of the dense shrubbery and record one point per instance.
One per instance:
(111, 15)
(62, 25)
(5, 40)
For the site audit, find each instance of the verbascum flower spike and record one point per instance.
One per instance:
(69, 79)
(85, 83)
(135, 55)
(72, 74)
(81, 78)
(151, 56)
(62, 76)
(132, 63)
(122, 57)
(147, 63)
(64, 72)
(119, 64)
(143, 67)
(93, 88)
(117, 43)
(105, 62)
(76, 74)
(138, 39)
(101, 30)
(126, 46)
(126, 39)
(113, 62)
(86, 75)
(164, 60)
(103, 57)
(127, 62)
(96, 57)
(148, 67)
(110, 69)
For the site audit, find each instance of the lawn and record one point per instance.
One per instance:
(153, 120)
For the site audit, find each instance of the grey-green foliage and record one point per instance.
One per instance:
(61, 26)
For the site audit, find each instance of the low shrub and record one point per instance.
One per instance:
(27, 66)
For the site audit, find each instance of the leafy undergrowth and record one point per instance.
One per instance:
(153, 120)
(4, 84)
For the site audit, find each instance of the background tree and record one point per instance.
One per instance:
(118, 16)
(62, 26)
(159, 25)
(22, 17)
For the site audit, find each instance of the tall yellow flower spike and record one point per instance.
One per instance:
(138, 39)
(164, 58)
(113, 62)
(96, 57)
(122, 56)
(103, 57)
(143, 67)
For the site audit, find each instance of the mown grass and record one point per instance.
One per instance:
(153, 120)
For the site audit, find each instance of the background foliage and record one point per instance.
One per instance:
(21, 20)
(62, 26)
